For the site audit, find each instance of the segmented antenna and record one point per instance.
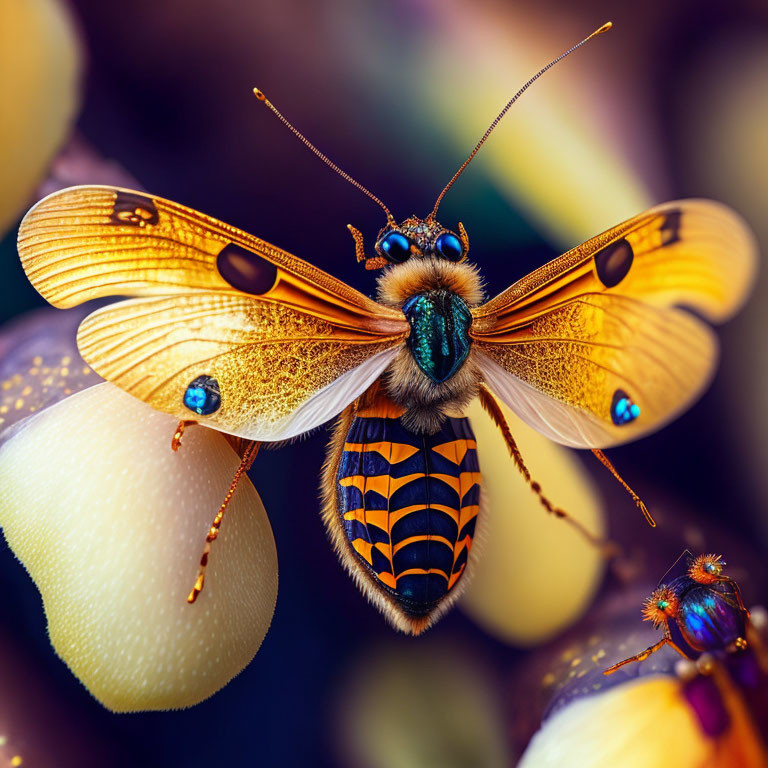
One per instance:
(307, 143)
(504, 111)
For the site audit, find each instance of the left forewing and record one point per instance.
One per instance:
(288, 345)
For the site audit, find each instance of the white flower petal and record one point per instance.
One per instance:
(110, 524)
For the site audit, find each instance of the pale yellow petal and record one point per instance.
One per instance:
(110, 523)
(39, 82)
(640, 724)
(533, 574)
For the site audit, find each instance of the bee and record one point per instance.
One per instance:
(227, 331)
(700, 608)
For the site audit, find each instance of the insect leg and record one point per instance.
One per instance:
(359, 245)
(666, 640)
(372, 262)
(179, 433)
(464, 237)
(245, 464)
(737, 592)
(638, 657)
(603, 459)
(492, 408)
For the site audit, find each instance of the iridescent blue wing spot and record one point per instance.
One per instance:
(203, 396)
(624, 409)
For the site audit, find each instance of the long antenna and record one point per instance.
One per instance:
(504, 111)
(261, 97)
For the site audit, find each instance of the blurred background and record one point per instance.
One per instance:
(672, 103)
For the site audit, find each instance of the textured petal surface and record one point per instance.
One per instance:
(39, 74)
(40, 364)
(110, 524)
(533, 574)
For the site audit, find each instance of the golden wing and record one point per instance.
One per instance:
(591, 349)
(287, 345)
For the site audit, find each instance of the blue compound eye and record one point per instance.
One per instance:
(395, 246)
(203, 396)
(449, 246)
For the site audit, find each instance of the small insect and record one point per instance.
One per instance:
(699, 607)
(235, 334)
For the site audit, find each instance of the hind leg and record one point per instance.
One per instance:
(492, 408)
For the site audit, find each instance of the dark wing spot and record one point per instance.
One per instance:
(613, 262)
(245, 270)
(670, 229)
(134, 209)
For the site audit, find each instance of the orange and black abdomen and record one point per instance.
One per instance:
(408, 503)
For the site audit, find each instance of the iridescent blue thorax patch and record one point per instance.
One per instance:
(439, 340)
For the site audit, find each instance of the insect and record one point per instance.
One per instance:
(235, 334)
(700, 608)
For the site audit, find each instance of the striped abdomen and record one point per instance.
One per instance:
(408, 505)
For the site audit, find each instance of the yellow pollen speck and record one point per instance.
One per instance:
(37, 360)
(3, 409)
(86, 370)
(576, 661)
(19, 404)
(3, 741)
(548, 680)
(568, 654)
(7, 384)
(64, 371)
(27, 391)
(66, 360)
(34, 370)
(16, 761)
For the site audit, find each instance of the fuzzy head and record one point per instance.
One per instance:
(706, 569)
(661, 606)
